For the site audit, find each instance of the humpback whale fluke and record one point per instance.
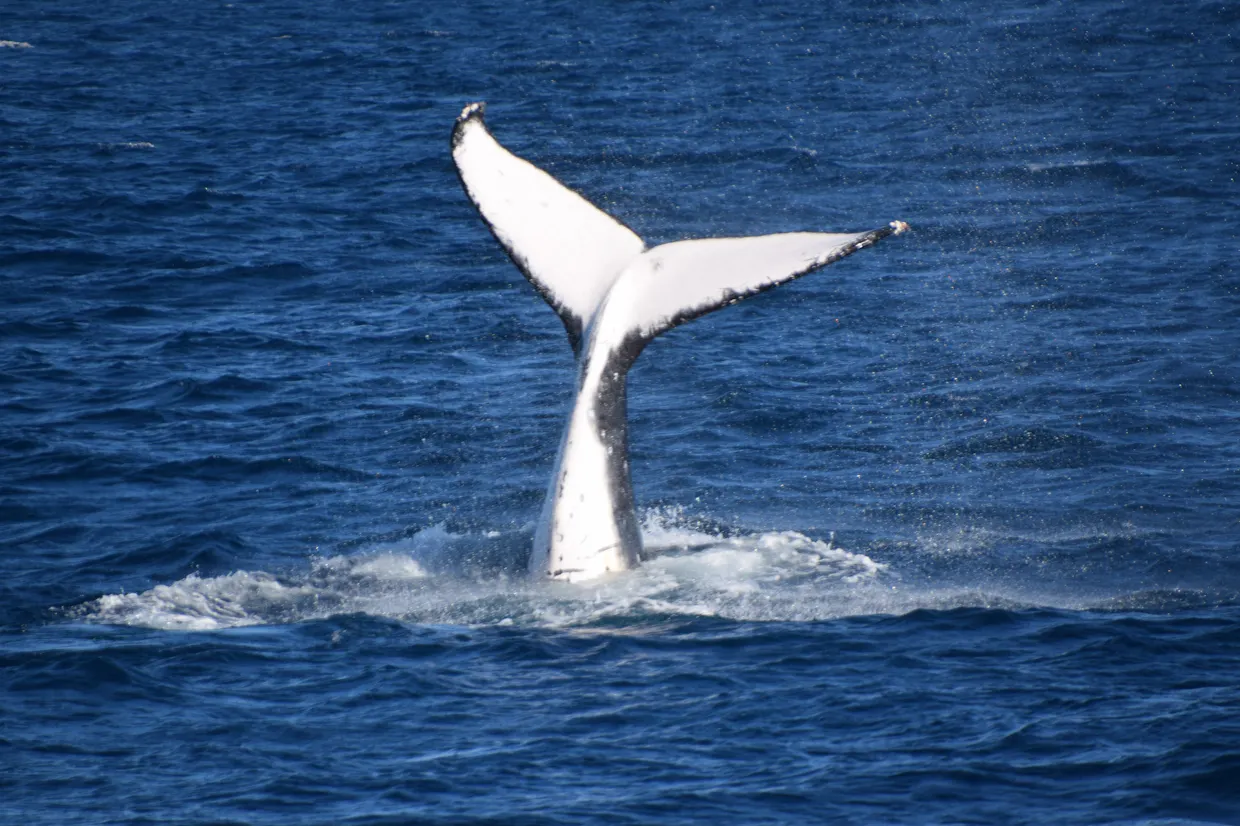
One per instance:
(614, 296)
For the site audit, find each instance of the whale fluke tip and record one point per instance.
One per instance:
(899, 227)
(476, 109)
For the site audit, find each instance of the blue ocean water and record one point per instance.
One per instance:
(948, 532)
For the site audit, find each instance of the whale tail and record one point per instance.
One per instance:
(614, 295)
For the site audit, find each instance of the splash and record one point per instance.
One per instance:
(203, 604)
(439, 577)
(694, 568)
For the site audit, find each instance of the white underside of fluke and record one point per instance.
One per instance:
(614, 295)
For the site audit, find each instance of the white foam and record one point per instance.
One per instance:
(432, 578)
(770, 577)
(439, 577)
(384, 566)
(115, 147)
(201, 604)
(1049, 165)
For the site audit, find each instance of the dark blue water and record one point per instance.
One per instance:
(948, 532)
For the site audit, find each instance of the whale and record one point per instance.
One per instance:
(614, 295)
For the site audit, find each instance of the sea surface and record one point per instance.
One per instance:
(946, 533)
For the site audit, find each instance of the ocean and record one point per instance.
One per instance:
(945, 533)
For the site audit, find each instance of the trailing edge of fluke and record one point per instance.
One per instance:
(614, 295)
